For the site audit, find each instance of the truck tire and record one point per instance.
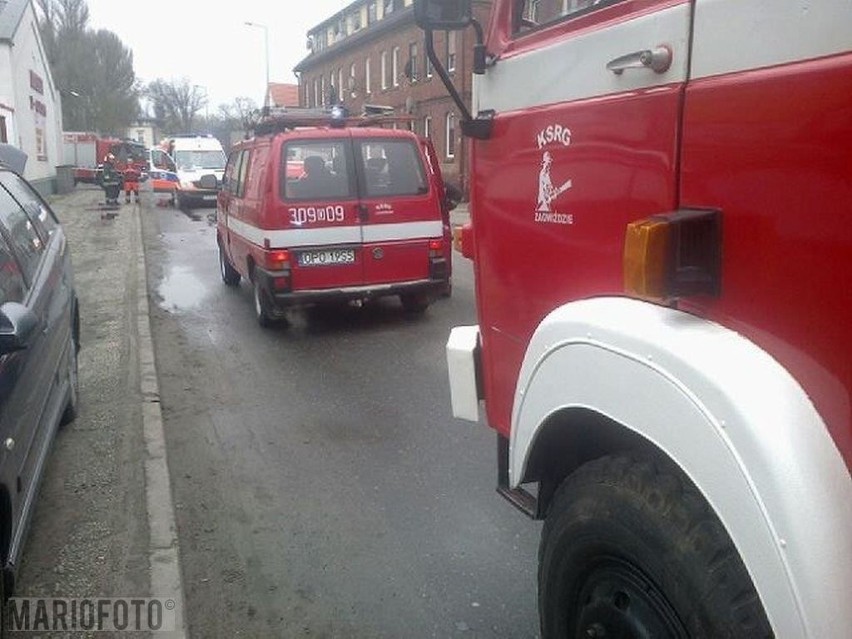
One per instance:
(631, 549)
(230, 275)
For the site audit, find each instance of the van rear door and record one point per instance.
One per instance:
(400, 210)
(318, 186)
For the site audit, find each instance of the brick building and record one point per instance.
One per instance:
(372, 53)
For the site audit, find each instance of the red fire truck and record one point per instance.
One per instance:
(661, 197)
(86, 152)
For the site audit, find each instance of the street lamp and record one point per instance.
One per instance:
(266, 47)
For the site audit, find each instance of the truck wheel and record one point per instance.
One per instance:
(230, 275)
(631, 549)
(414, 303)
(266, 313)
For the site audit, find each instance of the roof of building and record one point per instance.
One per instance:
(284, 95)
(11, 13)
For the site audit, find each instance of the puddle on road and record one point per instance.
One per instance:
(180, 290)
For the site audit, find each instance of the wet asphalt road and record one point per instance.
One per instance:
(322, 487)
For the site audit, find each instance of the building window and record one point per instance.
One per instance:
(451, 136)
(411, 65)
(395, 66)
(451, 51)
(4, 134)
(351, 80)
(389, 6)
(315, 101)
(368, 85)
(385, 70)
(322, 91)
(427, 127)
(372, 13)
(355, 21)
(340, 85)
(428, 66)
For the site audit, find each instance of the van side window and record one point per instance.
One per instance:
(391, 167)
(231, 171)
(532, 14)
(315, 170)
(12, 287)
(243, 169)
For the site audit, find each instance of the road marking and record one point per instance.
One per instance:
(163, 551)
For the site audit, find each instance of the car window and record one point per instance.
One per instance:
(391, 168)
(532, 14)
(25, 241)
(41, 214)
(316, 170)
(231, 171)
(12, 287)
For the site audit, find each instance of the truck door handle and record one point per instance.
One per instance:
(658, 59)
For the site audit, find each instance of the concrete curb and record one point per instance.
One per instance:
(164, 554)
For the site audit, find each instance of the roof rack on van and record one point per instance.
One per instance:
(283, 119)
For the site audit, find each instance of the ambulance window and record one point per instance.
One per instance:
(391, 168)
(532, 14)
(316, 170)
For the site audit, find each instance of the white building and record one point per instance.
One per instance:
(30, 106)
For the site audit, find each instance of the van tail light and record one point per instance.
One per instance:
(277, 260)
(674, 255)
(436, 248)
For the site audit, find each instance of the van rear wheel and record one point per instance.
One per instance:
(230, 275)
(265, 312)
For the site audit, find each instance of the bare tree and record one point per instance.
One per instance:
(176, 102)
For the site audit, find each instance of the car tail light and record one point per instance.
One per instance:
(277, 260)
(673, 255)
(436, 248)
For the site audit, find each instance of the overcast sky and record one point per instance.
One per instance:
(211, 45)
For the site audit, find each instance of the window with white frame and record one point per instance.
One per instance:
(451, 136)
(368, 84)
(351, 86)
(316, 101)
(451, 51)
(412, 62)
(427, 127)
(323, 94)
(340, 85)
(384, 69)
(395, 66)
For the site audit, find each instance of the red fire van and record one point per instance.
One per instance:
(315, 209)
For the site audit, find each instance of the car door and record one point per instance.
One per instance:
(587, 98)
(320, 216)
(400, 208)
(33, 370)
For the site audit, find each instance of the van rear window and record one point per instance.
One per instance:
(391, 168)
(316, 170)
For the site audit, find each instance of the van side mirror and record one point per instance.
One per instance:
(443, 15)
(18, 326)
(208, 182)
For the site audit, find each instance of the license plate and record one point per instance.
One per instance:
(327, 258)
(209, 197)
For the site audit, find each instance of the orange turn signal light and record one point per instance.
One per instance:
(646, 253)
(674, 255)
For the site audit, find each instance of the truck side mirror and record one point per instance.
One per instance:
(443, 15)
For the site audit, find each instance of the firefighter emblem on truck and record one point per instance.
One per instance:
(548, 193)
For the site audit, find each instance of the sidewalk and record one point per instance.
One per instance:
(91, 534)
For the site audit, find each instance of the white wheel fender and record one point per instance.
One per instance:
(733, 419)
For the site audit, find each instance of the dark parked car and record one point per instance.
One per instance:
(39, 340)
